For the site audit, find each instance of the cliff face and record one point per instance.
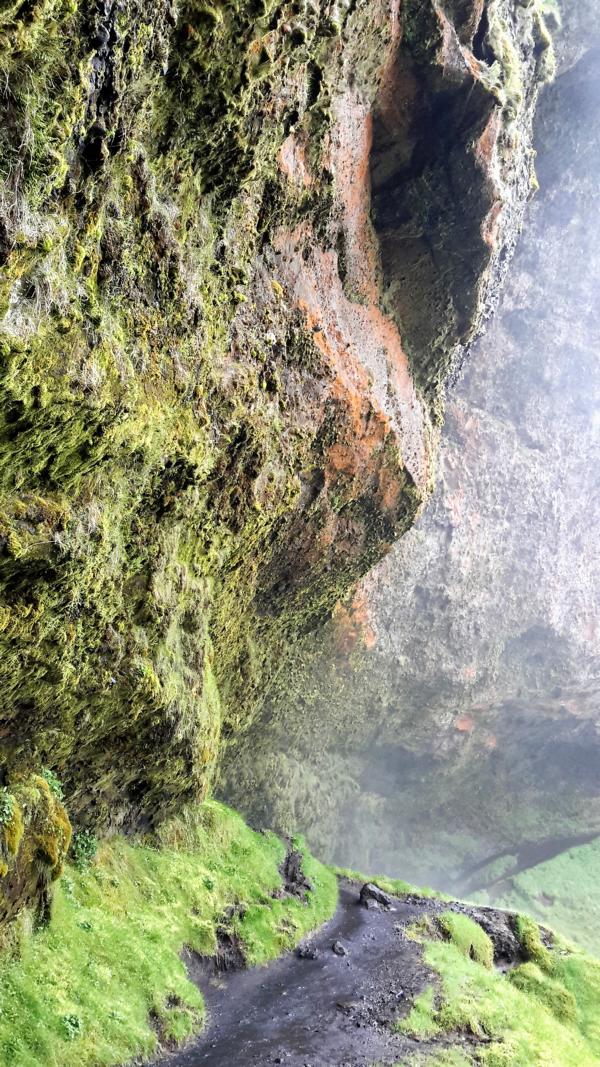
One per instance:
(242, 247)
(452, 712)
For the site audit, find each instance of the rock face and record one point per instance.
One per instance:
(242, 247)
(451, 714)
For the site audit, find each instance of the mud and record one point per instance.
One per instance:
(322, 1008)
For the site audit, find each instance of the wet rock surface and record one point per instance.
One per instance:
(465, 671)
(372, 896)
(241, 252)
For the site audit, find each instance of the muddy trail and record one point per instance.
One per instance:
(333, 1003)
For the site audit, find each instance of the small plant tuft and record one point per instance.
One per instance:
(7, 803)
(53, 782)
(72, 1026)
(84, 848)
(532, 945)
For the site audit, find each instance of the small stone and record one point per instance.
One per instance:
(347, 1006)
(339, 948)
(307, 952)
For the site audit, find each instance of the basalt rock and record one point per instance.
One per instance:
(243, 245)
(372, 896)
(457, 692)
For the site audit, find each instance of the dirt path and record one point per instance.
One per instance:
(326, 1008)
(331, 1011)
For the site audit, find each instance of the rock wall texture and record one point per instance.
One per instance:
(450, 715)
(242, 246)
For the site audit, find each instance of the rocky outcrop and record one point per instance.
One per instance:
(242, 245)
(451, 715)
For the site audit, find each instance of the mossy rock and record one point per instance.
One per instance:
(34, 842)
(209, 426)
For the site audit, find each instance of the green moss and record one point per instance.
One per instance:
(421, 1021)
(267, 931)
(532, 945)
(35, 834)
(85, 990)
(11, 829)
(468, 937)
(148, 476)
(534, 1015)
(425, 927)
(533, 981)
(395, 886)
(550, 9)
(50, 828)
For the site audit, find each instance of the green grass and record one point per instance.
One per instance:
(542, 1014)
(82, 992)
(468, 937)
(97, 986)
(394, 886)
(421, 1022)
(561, 893)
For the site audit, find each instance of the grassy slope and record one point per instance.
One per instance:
(94, 988)
(83, 991)
(561, 893)
(544, 1013)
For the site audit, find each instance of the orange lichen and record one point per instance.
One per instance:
(353, 625)
(464, 724)
(370, 375)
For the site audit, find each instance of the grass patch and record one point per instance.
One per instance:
(83, 991)
(421, 1022)
(468, 937)
(268, 931)
(532, 980)
(543, 1013)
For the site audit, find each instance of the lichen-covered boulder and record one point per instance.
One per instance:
(242, 245)
(35, 834)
